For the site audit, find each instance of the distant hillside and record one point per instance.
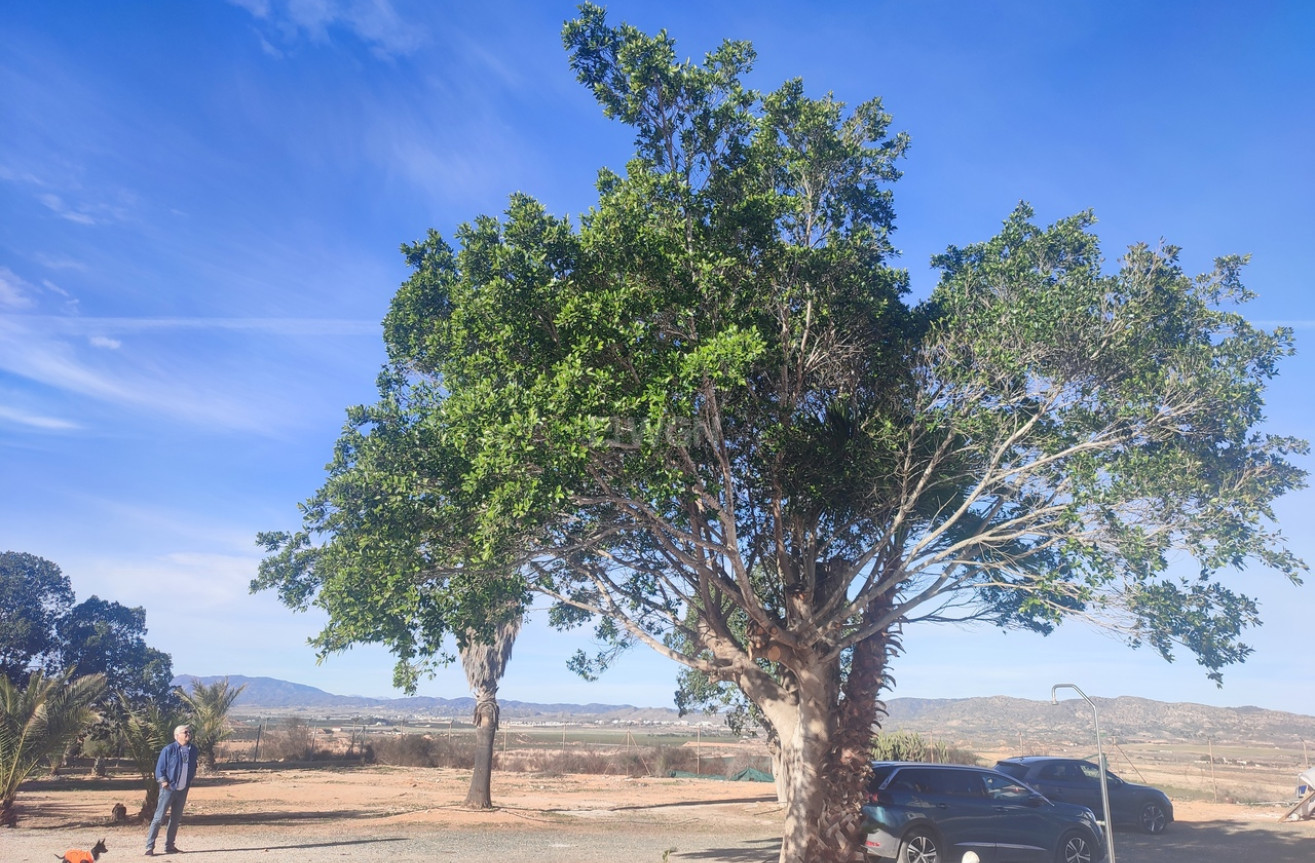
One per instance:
(266, 694)
(997, 719)
(1125, 719)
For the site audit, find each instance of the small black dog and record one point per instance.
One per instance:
(77, 855)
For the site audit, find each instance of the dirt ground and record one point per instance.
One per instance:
(403, 814)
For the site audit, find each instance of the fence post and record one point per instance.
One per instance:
(1210, 743)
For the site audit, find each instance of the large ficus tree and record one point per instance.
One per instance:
(708, 418)
(34, 596)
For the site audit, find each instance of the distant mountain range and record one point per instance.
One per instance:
(266, 694)
(977, 720)
(1124, 719)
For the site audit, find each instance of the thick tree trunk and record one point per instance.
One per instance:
(480, 795)
(778, 768)
(848, 763)
(804, 747)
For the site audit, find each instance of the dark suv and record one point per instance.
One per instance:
(936, 813)
(1077, 781)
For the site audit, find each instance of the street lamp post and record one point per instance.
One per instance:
(1100, 754)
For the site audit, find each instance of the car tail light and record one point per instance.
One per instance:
(878, 798)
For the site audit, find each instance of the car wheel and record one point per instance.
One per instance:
(1153, 818)
(1075, 847)
(919, 846)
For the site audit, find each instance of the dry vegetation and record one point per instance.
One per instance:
(538, 749)
(1248, 773)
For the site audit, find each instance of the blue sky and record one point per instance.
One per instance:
(201, 206)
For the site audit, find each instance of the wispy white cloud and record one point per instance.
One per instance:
(94, 326)
(23, 418)
(1296, 325)
(90, 212)
(205, 556)
(34, 356)
(188, 393)
(209, 579)
(268, 49)
(15, 292)
(374, 22)
(52, 262)
(205, 386)
(56, 205)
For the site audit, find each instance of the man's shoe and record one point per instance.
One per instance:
(149, 853)
(173, 850)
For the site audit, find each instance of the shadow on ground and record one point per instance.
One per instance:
(761, 798)
(1222, 841)
(750, 851)
(298, 846)
(275, 817)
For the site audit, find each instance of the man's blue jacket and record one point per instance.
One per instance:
(169, 766)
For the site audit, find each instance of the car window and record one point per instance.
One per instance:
(1057, 772)
(879, 775)
(1092, 772)
(931, 780)
(968, 783)
(959, 783)
(1015, 770)
(1004, 788)
(915, 780)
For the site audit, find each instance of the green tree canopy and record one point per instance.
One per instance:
(34, 593)
(100, 637)
(708, 418)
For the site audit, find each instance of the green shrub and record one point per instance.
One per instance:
(910, 746)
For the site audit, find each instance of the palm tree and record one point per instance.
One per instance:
(209, 706)
(38, 722)
(484, 661)
(144, 732)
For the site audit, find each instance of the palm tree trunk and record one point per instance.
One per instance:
(152, 800)
(848, 763)
(484, 663)
(480, 795)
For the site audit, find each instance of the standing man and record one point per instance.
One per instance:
(174, 770)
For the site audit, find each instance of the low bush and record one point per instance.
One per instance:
(417, 750)
(421, 750)
(294, 740)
